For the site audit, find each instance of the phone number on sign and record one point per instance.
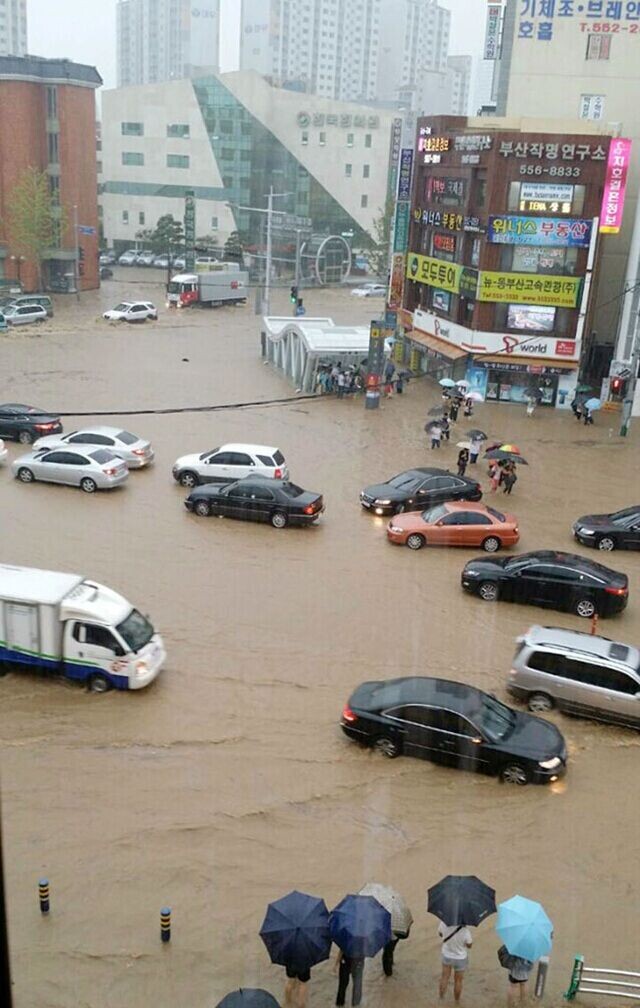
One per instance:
(609, 26)
(560, 171)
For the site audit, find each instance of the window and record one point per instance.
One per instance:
(99, 167)
(52, 102)
(262, 493)
(177, 160)
(179, 131)
(52, 148)
(132, 128)
(350, 138)
(364, 201)
(240, 459)
(226, 126)
(347, 170)
(227, 154)
(125, 216)
(86, 633)
(304, 138)
(214, 223)
(92, 439)
(132, 158)
(598, 47)
(367, 139)
(322, 139)
(141, 217)
(54, 188)
(366, 169)
(548, 661)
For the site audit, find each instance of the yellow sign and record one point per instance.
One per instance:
(434, 272)
(529, 288)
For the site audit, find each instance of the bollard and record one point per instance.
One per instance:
(165, 924)
(594, 624)
(43, 894)
(541, 978)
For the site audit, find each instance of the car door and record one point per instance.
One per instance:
(50, 467)
(419, 732)
(237, 502)
(217, 468)
(608, 694)
(241, 464)
(631, 535)
(535, 585)
(86, 438)
(459, 742)
(96, 645)
(8, 422)
(446, 531)
(71, 468)
(262, 504)
(477, 527)
(137, 312)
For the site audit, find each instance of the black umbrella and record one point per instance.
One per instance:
(248, 997)
(296, 931)
(477, 435)
(436, 411)
(461, 899)
(431, 424)
(503, 456)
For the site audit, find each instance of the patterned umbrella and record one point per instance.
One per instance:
(475, 396)
(401, 917)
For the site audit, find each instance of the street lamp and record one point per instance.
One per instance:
(18, 260)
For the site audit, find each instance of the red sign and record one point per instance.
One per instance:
(565, 348)
(444, 243)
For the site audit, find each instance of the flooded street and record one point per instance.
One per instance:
(228, 781)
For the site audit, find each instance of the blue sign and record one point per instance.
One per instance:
(84, 229)
(404, 177)
(540, 231)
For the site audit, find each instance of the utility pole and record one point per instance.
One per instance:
(627, 405)
(267, 279)
(5, 971)
(76, 247)
(298, 250)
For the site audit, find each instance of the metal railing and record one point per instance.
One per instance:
(591, 980)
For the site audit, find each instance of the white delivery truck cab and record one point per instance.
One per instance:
(224, 283)
(65, 624)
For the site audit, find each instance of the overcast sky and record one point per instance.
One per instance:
(84, 30)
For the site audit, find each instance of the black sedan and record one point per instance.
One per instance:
(550, 579)
(620, 530)
(417, 488)
(26, 423)
(257, 498)
(457, 725)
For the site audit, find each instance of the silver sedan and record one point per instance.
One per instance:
(89, 470)
(135, 451)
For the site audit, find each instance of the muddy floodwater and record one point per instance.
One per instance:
(228, 782)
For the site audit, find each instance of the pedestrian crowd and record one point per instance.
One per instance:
(346, 380)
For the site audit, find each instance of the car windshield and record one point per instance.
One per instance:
(212, 451)
(126, 437)
(402, 481)
(495, 720)
(122, 307)
(102, 455)
(135, 630)
(434, 514)
(496, 514)
(173, 288)
(622, 517)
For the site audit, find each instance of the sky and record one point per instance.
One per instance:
(64, 28)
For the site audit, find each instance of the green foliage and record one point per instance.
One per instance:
(35, 222)
(168, 235)
(379, 254)
(233, 248)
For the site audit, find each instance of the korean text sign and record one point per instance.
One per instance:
(539, 231)
(434, 272)
(615, 185)
(532, 288)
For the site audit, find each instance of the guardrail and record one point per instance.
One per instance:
(592, 980)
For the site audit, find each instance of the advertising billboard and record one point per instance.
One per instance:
(531, 318)
(492, 33)
(542, 231)
(404, 177)
(530, 288)
(434, 272)
(401, 232)
(397, 280)
(614, 186)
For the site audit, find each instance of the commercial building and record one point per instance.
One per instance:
(503, 247)
(47, 121)
(162, 40)
(228, 139)
(13, 28)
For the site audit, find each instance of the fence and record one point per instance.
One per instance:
(591, 980)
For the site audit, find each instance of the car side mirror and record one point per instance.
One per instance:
(439, 523)
(118, 650)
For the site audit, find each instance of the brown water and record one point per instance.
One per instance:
(228, 782)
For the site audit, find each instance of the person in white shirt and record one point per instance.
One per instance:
(456, 940)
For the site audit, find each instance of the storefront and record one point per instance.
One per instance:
(517, 379)
(428, 354)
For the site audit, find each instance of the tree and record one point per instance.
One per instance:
(35, 222)
(233, 251)
(379, 249)
(168, 235)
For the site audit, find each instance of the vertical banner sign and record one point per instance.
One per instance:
(375, 364)
(394, 155)
(401, 229)
(615, 184)
(189, 231)
(396, 286)
(404, 181)
(492, 34)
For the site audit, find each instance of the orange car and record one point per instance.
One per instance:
(458, 523)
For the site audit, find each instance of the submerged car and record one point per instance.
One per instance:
(132, 311)
(370, 290)
(455, 524)
(456, 725)
(134, 450)
(258, 498)
(414, 489)
(228, 463)
(89, 470)
(619, 530)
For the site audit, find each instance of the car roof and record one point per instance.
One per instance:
(100, 429)
(86, 452)
(446, 693)
(469, 506)
(576, 640)
(420, 472)
(567, 560)
(256, 449)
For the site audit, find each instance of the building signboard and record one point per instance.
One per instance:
(615, 185)
(433, 144)
(404, 178)
(539, 231)
(394, 155)
(553, 151)
(492, 33)
(396, 286)
(510, 345)
(344, 121)
(472, 142)
(401, 232)
(537, 18)
(591, 106)
(189, 231)
(434, 272)
(451, 221)
(529, 288)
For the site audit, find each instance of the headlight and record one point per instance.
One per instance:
(394, 528)
(586, 531)
(142, 668)
(382, 501)
(550, 764)
(470, 572)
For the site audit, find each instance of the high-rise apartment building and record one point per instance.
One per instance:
(324, 47)
(13, 27)
(160, 40)
(460, 68)
(415, 45)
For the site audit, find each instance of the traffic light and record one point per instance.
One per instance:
(293, 297)
(617, 385)
(81, 261)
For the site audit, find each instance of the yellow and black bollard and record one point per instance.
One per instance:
(43, 894)
(165, 924)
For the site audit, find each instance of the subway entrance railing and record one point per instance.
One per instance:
(595, 980)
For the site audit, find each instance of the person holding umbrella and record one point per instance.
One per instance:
(460, 902)
(360, 926)
(401, 919)
(527, 933)
(296, 933)
(463, 456)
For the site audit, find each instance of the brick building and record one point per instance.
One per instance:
(47, 121)
(503, 247)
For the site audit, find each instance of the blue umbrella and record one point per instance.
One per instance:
(447, 383)
(296, 931)
(524, 928)
(593, 404)
(360, 926)
(248, 997)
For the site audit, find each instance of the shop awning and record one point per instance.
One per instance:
(526, 362)
(439, 346)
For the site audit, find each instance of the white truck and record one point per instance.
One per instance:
(222, 283)
(64, 624)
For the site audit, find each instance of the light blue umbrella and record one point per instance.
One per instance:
(447, 383)
(524, 928)
(593, 404)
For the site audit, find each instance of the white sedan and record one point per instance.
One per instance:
(132, 311)
(135, 451)
(370, 290)
(3, 452)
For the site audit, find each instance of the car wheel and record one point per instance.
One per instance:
(607, 543)
(88, 485)
(189, 479)
(25, 475)
(585, 608)
(488, 591)
(278, 519)
(514, 773)
(387, 747)
(202, 508)
(25, 437)
(416, 541)
(98, 683)
(491, 544)
(540, 703)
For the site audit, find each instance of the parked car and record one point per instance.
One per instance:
(456, 725)
(128, 258)
(89, 470)
(230, 462)
(4, 325)
(132, 311)
(106, 273)
(579, 673)
(258, 498)
(26, 423)
(30, 300)
(415, 488)
(206, 262)
(370, 290)
(135, 451)
(22, 315)
(455, 524)
(179, 263)
(547, 578)
(3, 452)
(145, 258)
(619, 530)
(107, 258)
(162, 261)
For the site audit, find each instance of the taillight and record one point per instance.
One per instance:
(278, 474)
(109, 472)
(44, 426)
(617, 591)
(310, 508)
(348, 715)
(138, 451)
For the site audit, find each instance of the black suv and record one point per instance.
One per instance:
(416, 489)
(26, 423)
(457, 725)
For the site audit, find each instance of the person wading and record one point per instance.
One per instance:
(456, 941)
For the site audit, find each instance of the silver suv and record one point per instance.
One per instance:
(585, 675)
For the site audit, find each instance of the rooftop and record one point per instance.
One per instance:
(48, 71)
